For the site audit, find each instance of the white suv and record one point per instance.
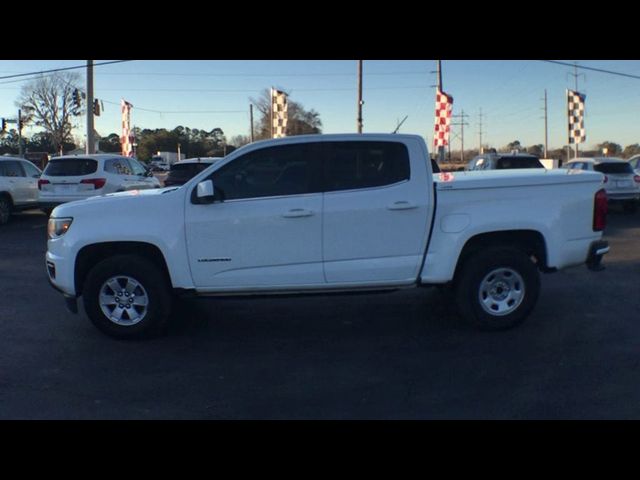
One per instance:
(76, 177)
(18, 186)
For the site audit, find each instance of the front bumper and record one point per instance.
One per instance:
(597, 250)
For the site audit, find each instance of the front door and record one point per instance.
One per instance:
(265, 229)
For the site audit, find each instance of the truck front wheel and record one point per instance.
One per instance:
(127, 296)
(497, 288)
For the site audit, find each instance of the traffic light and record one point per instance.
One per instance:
(76, 98)
(96, 107)
(4, 125)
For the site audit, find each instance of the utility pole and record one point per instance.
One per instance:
(480, 132)
(251, 119)
(360, 102)
(546, 130)
(20, 152)
(461, 124)
(91, 148)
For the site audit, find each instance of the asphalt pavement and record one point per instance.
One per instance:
(402, 355)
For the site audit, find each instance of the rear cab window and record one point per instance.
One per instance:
(613, 168)
(70, 167)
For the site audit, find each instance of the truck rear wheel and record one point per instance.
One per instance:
(497, 288)
(127, 296)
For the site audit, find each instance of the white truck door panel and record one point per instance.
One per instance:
(256, 243)
(368, 238)
(373, 234)
(267, 233)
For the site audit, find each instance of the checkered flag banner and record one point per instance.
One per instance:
(444, 105)
(278, 113)
(126, 140)
(575, 104)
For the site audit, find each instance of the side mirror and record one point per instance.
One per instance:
(205, 192)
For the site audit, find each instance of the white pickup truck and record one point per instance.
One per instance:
(322, 214)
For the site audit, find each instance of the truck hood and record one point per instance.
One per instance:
(131, 199)
(512, 178)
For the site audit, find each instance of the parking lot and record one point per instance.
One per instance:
(403, 355)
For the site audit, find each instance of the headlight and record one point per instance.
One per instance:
(58, 227)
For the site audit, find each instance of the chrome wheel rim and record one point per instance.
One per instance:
(501, 291)
(123, 300)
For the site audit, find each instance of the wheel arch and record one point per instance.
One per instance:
(531, 242)
(90, 255)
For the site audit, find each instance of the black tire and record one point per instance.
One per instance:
(155, 288)
(515, 277)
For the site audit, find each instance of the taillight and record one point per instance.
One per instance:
(600, 211)
(96, 182)
(636, 178)
(42, 182)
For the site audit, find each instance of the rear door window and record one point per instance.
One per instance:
(71, 167)
(11, 168)
(118, 166)
(356, 165)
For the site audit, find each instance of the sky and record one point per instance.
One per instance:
(207, 94)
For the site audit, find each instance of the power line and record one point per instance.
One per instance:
(322, 74)
(60, 69)
(601, 70)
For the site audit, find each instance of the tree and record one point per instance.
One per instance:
(240, 140)
(537, 150)
(515, 145)
(299, 120)
(48, 102)
(613, 149)
(110, 144)
(631, 150)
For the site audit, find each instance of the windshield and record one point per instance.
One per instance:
(71, 167)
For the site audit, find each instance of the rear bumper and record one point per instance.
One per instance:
(596, 251)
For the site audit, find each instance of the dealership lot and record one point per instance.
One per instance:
(403, 355)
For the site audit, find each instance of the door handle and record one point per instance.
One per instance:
(402, 205)
(297, 213)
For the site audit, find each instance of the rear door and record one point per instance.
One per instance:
(32, 176)
(16, 181)
(375, 212)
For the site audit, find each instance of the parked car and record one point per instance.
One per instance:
(18, 186)
(322, 214)
(185, 170)
(503, 161)
(74, 177)
(635, 163)
(620, 181)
